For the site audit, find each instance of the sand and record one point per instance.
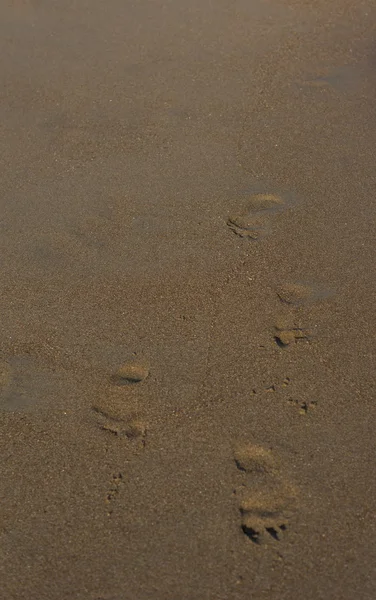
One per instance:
(159, 437)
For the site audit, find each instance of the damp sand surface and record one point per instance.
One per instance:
(187, 388)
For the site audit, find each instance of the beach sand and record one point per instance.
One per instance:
(187, 233)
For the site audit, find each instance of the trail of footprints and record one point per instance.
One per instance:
(266, 500)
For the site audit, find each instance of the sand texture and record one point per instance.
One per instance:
(187, 300)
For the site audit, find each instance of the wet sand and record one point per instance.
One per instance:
(187, 400)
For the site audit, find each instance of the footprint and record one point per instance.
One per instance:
(252, 222)
(266, 500)
(294, 296)
(299, 293)
(118, 409)
(287, 332)
(266, 513)
(130, 427)
(121, 418)
(255, 459)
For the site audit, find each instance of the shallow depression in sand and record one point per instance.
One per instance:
(298, 293)
(262, 202)
(253, 219)
(254, 459)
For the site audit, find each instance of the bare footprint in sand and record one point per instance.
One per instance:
(255, 459)
(294, 296)
(129, 424)
(266, 500)
(287, 331)
(267, 513)
(118, 410)
(299, 293)
(253, 221)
